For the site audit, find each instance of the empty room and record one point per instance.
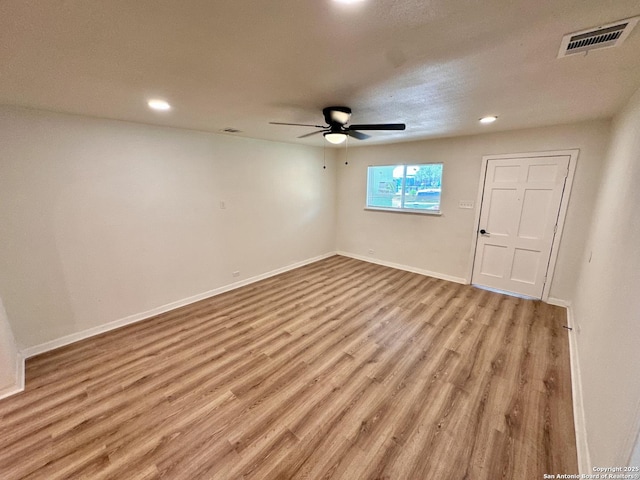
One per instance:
(328, 239)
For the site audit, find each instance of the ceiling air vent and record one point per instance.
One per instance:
(606, 36)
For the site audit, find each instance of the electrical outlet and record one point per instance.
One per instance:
(371, 251)
(236, 274)
(465, 204)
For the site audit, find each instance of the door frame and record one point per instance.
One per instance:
(564, 203)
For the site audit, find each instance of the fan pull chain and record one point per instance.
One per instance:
(324, 155)
(346, 151)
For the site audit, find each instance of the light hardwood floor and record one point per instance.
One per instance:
(340, 369)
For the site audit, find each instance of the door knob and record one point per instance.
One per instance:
(483, 232)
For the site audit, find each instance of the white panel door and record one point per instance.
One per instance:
(518, 218)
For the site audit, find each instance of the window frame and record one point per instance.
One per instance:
(402, 208)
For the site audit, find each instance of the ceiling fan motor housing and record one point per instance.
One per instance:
(336, 115)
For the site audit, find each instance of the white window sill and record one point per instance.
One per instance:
(436, 213)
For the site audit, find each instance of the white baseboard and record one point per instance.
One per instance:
(441, 276)
(75, 337)
(8, 391)
(582, 445)
(18, 386)
(558, 302)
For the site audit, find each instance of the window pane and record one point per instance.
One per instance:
(423, 187)
(410, 187)
(383, 187)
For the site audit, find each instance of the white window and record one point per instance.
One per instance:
(413, 188)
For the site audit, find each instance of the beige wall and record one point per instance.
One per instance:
(105, 219)
(606, 302)
(443, 244)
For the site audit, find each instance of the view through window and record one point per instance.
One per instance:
(405, 187)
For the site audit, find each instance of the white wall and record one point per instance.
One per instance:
(104, 219)
(606, 302)
(443, 244)
(10, 374)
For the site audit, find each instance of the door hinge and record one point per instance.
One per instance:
(555, 229)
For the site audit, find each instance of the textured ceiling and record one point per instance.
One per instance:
(436, 65)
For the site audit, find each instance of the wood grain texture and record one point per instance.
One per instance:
(340, 369)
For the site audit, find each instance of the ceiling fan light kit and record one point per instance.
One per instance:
(336, 130)
(335, 138)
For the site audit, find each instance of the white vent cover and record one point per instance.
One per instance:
(606, 36)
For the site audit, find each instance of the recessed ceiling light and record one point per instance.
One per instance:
(348, 2)
(489, 119)
(157, 104)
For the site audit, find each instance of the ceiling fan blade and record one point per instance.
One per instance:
(309, 134)
(297, 124)
(358, 135)
(378, 126)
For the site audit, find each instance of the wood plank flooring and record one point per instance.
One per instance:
(337, 370)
